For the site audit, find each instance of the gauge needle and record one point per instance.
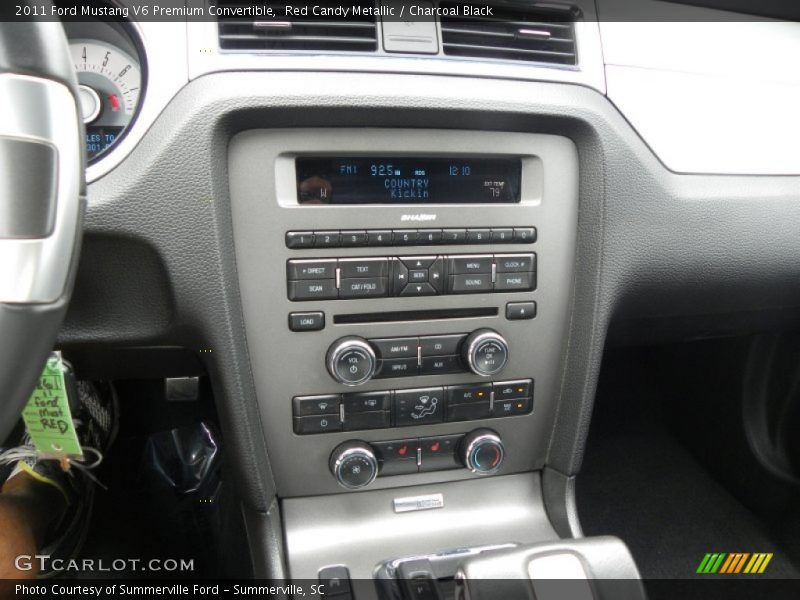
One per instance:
(114, 102)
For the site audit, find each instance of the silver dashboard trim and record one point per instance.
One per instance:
(415, 503)
(35, 271)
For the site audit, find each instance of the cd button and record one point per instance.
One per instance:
(440, 344)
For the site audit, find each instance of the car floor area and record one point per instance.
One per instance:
(667, 467)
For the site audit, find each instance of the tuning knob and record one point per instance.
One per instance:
(354, 465)
(482, 451)
(351, 361)
(485, 352)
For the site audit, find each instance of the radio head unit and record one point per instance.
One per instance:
(408, 180)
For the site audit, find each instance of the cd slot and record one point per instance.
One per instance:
(416, 315)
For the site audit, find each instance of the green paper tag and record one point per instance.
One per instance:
(47, 416)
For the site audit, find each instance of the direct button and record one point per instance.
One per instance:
(311, 269)
(396, 347)
(307, 321)
(352, 268)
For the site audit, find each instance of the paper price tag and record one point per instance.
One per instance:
(47, 416)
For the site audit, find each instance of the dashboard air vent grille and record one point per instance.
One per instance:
(541, 33)
(293, 32)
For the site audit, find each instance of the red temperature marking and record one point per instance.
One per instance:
(114, 102)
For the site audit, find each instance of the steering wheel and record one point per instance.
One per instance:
(42, 200)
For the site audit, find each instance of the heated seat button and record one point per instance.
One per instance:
(510, 390)
(366, 402)
(322, 289)
(318, 424)
(515, 263)
(368, 287)
(299, 239)
(311, 269)
(439, 453)
(396, 457)
(468, 394)
(397, 367)
(307, 321)
(418, 407)
(438, 365)
(471, 284)
(467, 265)
(511, 408)
(437, 345)
(358, 268)
(468, 412)
(304, 406)
(396, 347)
(510, 282)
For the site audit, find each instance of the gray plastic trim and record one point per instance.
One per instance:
(36, 270)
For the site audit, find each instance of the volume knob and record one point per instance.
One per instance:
(485, 352)
(351, 361)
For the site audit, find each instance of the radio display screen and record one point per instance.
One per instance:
(407, 180)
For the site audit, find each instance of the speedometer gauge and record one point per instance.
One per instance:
(110, 81)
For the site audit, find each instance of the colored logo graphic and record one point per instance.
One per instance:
(734, 563)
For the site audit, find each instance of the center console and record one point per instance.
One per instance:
(406, 296)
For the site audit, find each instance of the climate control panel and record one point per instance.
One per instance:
(331, 413)
(355, 464)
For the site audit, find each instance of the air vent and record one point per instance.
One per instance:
(533, 33)
(289, 31)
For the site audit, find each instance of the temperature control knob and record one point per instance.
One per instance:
(351, 361)
(485, 352)
(482, 451)
(354, 465)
